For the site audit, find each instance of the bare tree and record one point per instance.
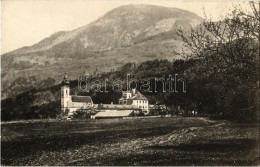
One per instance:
(229, 46)
(228, 55)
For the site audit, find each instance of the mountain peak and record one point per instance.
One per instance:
(125, 34)
(124, 23)
(148, 8)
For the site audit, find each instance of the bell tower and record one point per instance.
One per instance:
(65, 94)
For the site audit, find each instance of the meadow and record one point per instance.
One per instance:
(154, 141)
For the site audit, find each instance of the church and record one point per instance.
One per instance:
(71, 103)
(131, 103)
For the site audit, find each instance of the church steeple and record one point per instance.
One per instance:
(65, 93)
(65, 79)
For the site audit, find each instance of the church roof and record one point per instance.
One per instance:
(81, 99)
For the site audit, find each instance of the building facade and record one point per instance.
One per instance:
(132, 102)
(70, 103)
(135, 98)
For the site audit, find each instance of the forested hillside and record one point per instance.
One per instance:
(203, 93)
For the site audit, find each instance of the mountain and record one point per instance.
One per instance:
(131, 33)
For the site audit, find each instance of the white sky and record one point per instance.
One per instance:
(26, 22)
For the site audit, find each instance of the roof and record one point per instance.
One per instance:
(138, 96)
(81, 99)
(116, 107)
(81, 105)
(114, 113)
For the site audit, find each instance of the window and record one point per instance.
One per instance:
(66, 92)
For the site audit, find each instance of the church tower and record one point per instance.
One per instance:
(65, 94)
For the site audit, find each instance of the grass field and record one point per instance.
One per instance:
(156, 141)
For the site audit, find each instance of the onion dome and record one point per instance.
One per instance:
(65, 80)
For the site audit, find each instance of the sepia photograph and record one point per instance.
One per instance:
(130, 83)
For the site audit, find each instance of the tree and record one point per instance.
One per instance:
(228, 56)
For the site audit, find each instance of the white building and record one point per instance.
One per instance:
(69, 103)
(135, 98)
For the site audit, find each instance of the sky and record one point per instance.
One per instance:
(26, 22)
